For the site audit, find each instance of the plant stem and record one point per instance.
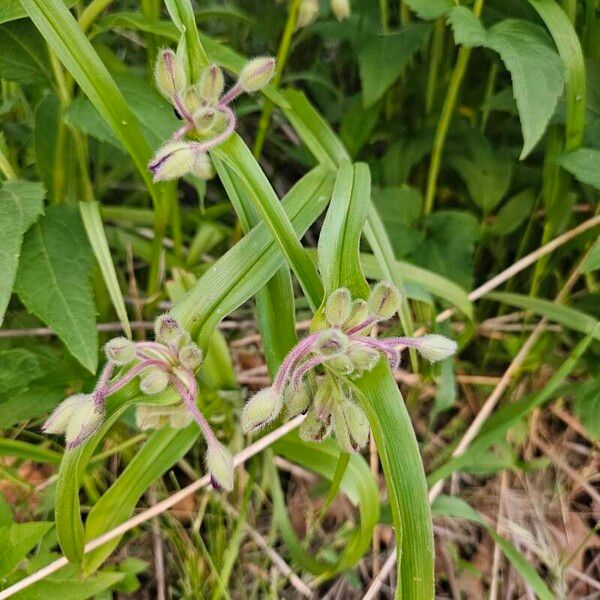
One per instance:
(282, 55)
(92, 12)
(441, 131)
(383, 11)
(6, 167)
(437, 43)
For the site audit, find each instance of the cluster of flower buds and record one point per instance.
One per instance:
(205, 110)
(171, 360)
(316, 374)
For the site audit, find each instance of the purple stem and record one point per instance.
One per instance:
(392, 354)
(182, 110)
(402, 341)
(231, 95)
(189, 398)
(218, 139)
(181, 132)
(296, 353)
(101, 390)
(132, 373)
(366, 323)
(305, 367)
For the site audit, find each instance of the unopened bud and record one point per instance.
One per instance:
(340, 9)
(167, 330)
(78, 417)
(338, 307)
(154, 381)
(313, 429)
(211, 84)
(364, 358)
(169, 73)
(151, 416)
(358, 314)
(263, 408)
(307, 13)
(256, 74)
(191, 99)
(120, 351)
(219, 463)
(296, 399)
(341, 364)
(327, 393)
(331, 342)
(350, 426)
(384, 300)
(173, 160)
(202, 166)
(205, 119)
(436, 347)
(190, 356)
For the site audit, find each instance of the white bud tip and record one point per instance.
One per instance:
(436, 347)
(219, 463)
(120, 351)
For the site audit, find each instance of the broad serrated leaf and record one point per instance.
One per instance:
(534, 65)
(23, 53)
(21, 203)
(53, 281)
(393, 51)
(429, 9)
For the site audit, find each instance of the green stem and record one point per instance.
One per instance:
(6, 167)
(92, 11)
(383, 11)
(282, 55)
(489, 90)
(458, 74)
(437, 43)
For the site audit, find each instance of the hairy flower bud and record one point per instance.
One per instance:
(296, 399)
(331, 342)
(341, 364)
(205, 119)
(364, 358)
(78, 417)
(358, 314)
(153, 381)
(327, 393)
(173, 160)
(120, 351)
(219, 463)
(167, 330)
(307, 13)
(191, 99)
(190, 356)
(256, 74)
(211, 84)
(338, 307)
(384, 300)
(169, 73)
(202, 166)
(436, 347)
(340, 9)
(313, 429)
(263, 408)
(350, 426)
(152, 416)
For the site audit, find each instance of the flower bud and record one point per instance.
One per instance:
(256, 74)
(154, 381)
(338, 307)
(167, 330)
(350, 426)
(384, 300)
(169, 73)
(211, 84)
(219, 463)
(191, 99)
(358, 314)
(205, 119)
(202, 166)
(331, 342)
(327, 393)
(78, 417)
(364, 358)
(341, 364)
(313, 429)
(307, 13)
(190, 356)
(263, 408)
(340, 9)
(151, 416)
(120, 351)
(436, 347)
(296, 399)
(173, 160)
